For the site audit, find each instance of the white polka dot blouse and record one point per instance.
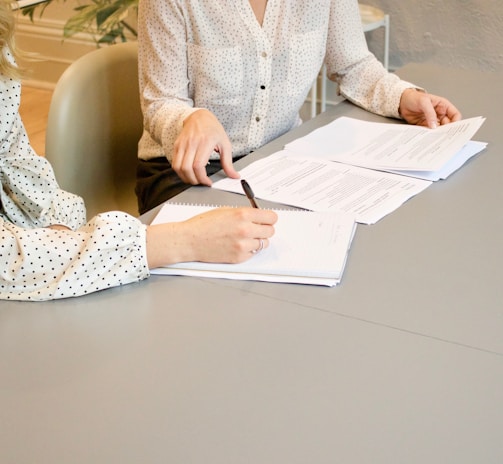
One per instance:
(215, 55)
(38, 263)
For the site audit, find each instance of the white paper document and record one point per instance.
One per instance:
(321, 185)
(307, 248)
(471, 149)
(361, 168)
(387, 146)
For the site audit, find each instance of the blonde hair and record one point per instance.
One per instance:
(7, 22)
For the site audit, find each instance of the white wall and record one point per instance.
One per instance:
(465, 34)
(44, 37)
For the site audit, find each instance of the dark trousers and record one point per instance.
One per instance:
(156, 182)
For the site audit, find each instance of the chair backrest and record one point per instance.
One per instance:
(93, 128)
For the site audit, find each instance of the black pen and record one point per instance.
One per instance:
(249, 193)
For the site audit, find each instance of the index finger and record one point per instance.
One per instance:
(199, 164)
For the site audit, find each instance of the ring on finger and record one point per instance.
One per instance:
(260, 246)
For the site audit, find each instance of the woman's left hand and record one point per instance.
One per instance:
(425, 109)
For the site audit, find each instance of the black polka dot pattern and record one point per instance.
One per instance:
(37, 263)
(42, 264)
(254, 78)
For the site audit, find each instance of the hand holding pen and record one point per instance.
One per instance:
(251, 197)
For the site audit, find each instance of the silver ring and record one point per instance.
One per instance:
(260, 246)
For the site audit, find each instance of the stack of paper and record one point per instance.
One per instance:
(360, 168)
(402, 148)
(307, 248)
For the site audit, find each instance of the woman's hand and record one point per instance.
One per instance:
(425, 109)
(222, 235)
(202, 134)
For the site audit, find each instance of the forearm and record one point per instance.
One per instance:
(47, 263)
(167, 244)
(368, 85)
(163, 71)
(221, 235)
(30, 194)
(361, 77)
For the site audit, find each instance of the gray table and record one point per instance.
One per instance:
(401, 363)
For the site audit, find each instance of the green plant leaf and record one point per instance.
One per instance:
(103, 19)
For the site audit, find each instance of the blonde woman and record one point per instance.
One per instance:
(47, 249)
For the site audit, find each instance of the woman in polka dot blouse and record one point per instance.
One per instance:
(47, 250)
(221, 78)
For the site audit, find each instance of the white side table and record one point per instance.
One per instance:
(372, 18)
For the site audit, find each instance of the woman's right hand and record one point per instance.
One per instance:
(221, 235)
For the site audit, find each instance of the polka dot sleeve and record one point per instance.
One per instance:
(38, 263)
(43, 264)
(361, 77)
(30, 195)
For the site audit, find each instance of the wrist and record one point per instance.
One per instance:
(164, 245)
(405, 95)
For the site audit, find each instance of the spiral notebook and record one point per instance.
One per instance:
(307, 248)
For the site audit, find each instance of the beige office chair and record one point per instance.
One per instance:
(93, 128)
